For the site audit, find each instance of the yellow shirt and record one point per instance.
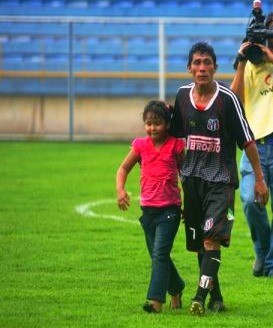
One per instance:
(259, 98)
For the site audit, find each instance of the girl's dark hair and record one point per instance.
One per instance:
(158, 109)
(202, 48)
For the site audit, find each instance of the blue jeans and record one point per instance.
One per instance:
(160, 228)
(260, 228)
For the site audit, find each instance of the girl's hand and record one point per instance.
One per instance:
(123, 200)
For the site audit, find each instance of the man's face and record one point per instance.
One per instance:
(202, 68)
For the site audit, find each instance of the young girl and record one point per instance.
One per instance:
(159, 156)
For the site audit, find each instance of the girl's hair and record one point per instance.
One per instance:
(158, 109)
(202, 48)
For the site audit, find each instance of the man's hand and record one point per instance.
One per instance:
(268, 54)
(261, 192)
(243, 47)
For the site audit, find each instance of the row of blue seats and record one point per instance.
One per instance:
(139, 46)
(91, 87)
(105, 63)
(131, 8)
(123, 29)
(121, 3)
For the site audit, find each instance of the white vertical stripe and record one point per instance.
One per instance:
(239, 111)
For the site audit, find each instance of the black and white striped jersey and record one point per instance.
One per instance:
(211, 134)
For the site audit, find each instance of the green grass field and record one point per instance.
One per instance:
(70, 258)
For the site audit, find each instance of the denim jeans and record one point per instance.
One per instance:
(260, 228)
(160, 229)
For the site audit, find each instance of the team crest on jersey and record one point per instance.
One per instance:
(192, 124)
(213, 124)
(208, 224)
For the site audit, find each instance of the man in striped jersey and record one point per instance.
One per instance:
(212, 119)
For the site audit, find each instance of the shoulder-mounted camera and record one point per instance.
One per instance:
(256, 33)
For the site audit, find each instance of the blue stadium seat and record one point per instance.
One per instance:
(226, 46)
(194, 5)
(17, 47)
(178, 46)
(146, 4)
(78, 3)
(55, 3)
(82, 62)
(123, 4)
(176, 63)
(145, 8)
(121, 8)
(30, 62)
(142, 46)
(32, 3)
(147, 63)
(3, 39)
(11, 3)
(239, 7)
(225, 64)
(89, 40)
(106, 63)
(34, 28)
(56, 62)
(171, 7)
(102, 3)
(23, 38)
(114, 46)
(12, 62)
(215, 8)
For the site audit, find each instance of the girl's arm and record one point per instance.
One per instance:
(126, 166)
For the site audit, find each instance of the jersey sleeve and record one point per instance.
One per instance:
(240, 127)
(176, 128)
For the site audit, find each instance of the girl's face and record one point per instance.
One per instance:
(156, 127)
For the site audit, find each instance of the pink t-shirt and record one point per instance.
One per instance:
(159, 171)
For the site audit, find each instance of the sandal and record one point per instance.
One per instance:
(179, 306)
(148, 307)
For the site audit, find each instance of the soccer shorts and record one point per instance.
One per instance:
(208, 212)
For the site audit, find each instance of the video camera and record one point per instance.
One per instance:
(256, 33)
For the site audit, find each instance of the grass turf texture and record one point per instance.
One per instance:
(62, 269)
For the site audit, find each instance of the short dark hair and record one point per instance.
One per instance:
(158, 109)
(202, 48)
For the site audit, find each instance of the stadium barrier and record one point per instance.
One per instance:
(66, 101)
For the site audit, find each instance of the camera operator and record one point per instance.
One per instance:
(253, 83)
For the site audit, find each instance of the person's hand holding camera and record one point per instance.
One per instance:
(268, 54)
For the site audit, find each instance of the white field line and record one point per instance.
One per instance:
(88, 210)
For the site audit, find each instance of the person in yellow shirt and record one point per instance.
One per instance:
(253, 83)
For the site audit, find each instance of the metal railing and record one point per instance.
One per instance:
(161, 33)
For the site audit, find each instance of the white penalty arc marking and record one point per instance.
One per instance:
(88, 210)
